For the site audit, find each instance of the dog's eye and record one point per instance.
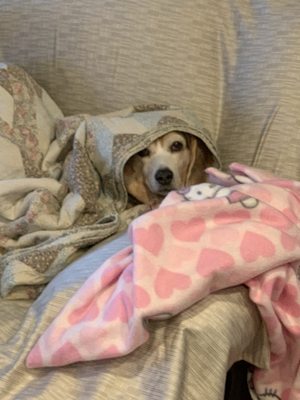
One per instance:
(144, 153)
(176, 146)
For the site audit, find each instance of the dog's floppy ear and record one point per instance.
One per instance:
(134, 181)
(200, 159)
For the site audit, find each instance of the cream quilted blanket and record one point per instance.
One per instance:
(61, 187)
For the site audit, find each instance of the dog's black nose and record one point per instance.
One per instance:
(164, 176)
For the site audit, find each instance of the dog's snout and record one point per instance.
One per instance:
(164, 176)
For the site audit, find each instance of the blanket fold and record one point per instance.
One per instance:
(202, 239)
(62, 185)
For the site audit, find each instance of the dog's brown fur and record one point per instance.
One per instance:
(182, 156)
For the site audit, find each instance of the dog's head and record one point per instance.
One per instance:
(171, 162)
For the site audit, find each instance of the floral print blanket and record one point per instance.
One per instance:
(243, 227)
(62, 186)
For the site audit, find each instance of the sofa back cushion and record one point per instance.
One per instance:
(234, 62)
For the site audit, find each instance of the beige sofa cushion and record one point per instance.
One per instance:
(234, 62)
(261, 119)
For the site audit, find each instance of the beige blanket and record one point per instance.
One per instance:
(62, 185)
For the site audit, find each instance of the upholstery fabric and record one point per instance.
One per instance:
(234, 62)
(103, 55)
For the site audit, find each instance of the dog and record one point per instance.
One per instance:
(171, 162)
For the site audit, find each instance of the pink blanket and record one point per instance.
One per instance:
(243, 227)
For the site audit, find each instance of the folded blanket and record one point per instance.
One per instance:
(242, 228)
(62, 185)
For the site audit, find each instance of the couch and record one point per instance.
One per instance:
(233, 63)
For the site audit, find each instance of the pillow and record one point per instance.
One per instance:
(27, 117)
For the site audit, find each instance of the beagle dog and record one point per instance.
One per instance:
(171, 162)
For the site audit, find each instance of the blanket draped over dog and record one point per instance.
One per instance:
(241, 228)
(62, 185)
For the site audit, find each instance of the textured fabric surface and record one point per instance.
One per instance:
(100, 56)
(260, 119)
(27, 119)
(186, 358)
(180, 253)
(234, 62)
(66, 189)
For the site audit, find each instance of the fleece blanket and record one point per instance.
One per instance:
(243, 227)
(62, 185)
